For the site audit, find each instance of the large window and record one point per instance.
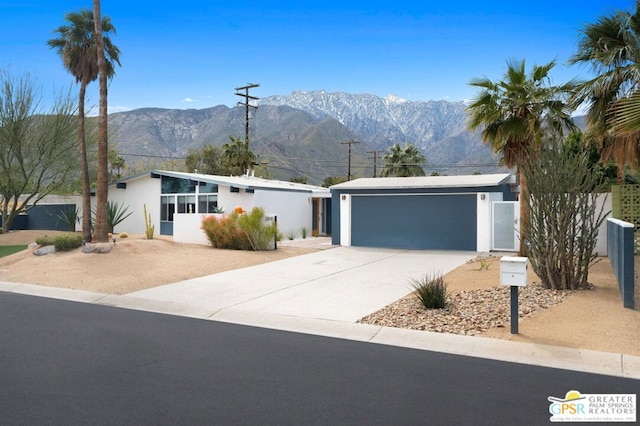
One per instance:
(208, 203)
(186, 203)
(167, 207)
(186, 196)
(172, 185)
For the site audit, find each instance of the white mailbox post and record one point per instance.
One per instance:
(513, 272)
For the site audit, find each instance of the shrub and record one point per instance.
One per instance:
(224, 232)
(431, 291)
(304, 231)
(259, 232)
(66, 242)
(123, 235)
(44, 241)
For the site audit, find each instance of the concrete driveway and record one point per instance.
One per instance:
(340, 283)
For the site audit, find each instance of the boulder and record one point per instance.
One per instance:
(97, 248)
(44, 250)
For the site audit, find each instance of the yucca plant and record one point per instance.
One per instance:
(431, 291)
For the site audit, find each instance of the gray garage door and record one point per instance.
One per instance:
(426, 222)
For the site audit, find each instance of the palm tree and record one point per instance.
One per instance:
(611, 46)
(513, 114)
(77, 48)
(238, 155)
(102, 187)
(403, 161)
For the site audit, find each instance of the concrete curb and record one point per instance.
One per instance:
(480, 347)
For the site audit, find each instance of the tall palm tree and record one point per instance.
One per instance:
(238, 155)
(611, 46)
(102, 186)
(514, 114)
(78, 50)
(405, 161)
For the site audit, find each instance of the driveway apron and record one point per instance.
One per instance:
(341, 283)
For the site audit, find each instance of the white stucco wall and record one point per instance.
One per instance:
(186, 228)
(293, 209)
(345, 220)
(484, 219)
(138, 192)
(228, 200)
(603, 200)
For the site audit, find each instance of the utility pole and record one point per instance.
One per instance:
(247, 105)
(375, 161)
(351, 142)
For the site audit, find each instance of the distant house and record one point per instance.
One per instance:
(473, 213)
(178, 201)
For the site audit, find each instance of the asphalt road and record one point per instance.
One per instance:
(70, 363)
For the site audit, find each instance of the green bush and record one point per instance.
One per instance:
(259, 232)
(431, 291)
(66, 242)
(44, 241)
(224, 232)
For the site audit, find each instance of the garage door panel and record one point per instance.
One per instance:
(431, 222)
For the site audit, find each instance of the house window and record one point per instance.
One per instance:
(186, 203)
(167, 207)
(210, 188)
(172, 185)
(208, 203)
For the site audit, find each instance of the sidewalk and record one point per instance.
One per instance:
(324, 293)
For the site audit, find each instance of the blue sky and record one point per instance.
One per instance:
(191, 54)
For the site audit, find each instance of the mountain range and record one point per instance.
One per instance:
(306, 134)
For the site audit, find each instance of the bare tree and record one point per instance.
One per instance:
(37, 148)
(564, 215)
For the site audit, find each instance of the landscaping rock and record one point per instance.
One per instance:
(44, 250)
(97, 248)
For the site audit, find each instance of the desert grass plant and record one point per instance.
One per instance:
(66, 242)
(304, 231)
(431, 291)
(70, 217)
(123, 235)
(224, 232)
(291, 235)
(260, 233)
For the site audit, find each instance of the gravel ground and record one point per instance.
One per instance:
(468, 312)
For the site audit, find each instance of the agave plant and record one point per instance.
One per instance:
(116, 213)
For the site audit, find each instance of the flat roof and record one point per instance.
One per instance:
(461, 181)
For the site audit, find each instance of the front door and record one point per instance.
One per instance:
(505, 229)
